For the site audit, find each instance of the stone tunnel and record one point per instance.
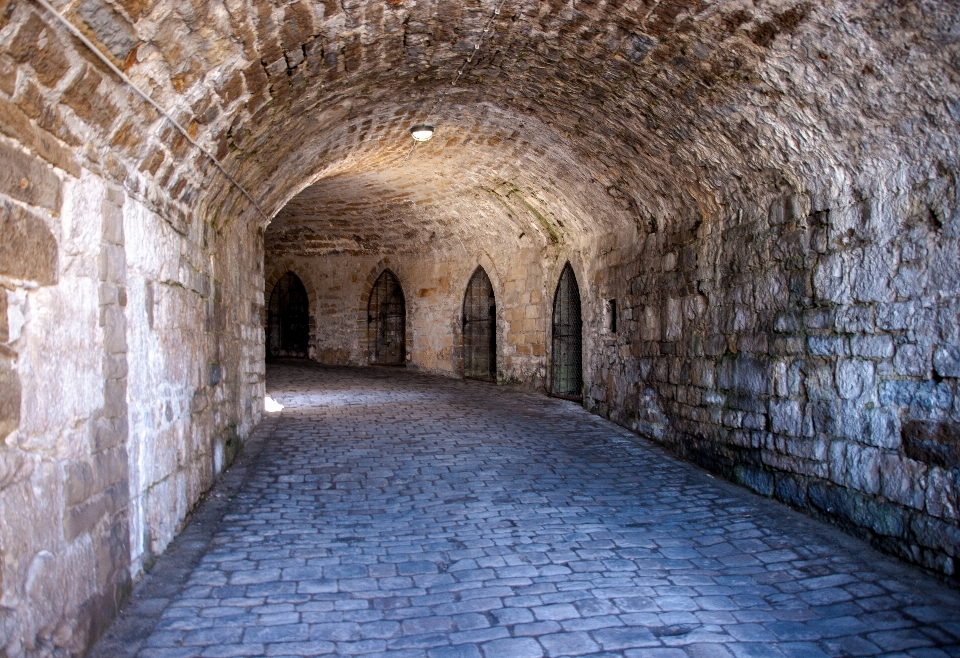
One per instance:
(749, 210)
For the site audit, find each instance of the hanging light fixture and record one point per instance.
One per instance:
(422, 132)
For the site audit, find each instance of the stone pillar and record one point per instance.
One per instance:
(97, 492)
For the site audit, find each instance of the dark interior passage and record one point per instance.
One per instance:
(480, 328)
(288, 318)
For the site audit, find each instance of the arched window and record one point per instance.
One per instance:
(386, 322)
(567, 367)
(480, 328)
(288, 318)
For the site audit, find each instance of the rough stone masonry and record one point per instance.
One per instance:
(766, 188)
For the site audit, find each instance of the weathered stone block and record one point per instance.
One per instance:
(946, 360)
(948, 323)
(28, 249)
(746, 374)
(39, 45)
(4, 328)
(863, 468)
(932, 442)
(754, 478)
(17, 125)
(84, 97)
(107, 432)
(942, 500)
(828, 280)
(81, 518)
(819, 318)
(819, 382)
(935, 533)
(113, 263)
(873, 347)
(8, 75)
(870, 277)
(26, 179)
(911, 361)
(902, 480)
(112, 224)
(79, 482)
(852, 421)
(9, 396)
(837, 458)
(828, 345)
(854, 378)
(854, 319)
(895, 316)
(884, 429)
(109, 28)
(786, 417)
(673, 320)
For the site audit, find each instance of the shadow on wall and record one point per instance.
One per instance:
(811, 355)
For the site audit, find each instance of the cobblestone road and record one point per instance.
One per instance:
(389, 513)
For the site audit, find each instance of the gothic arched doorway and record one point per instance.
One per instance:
(480, 328)
(567, 371)
(386, 322)
(288, 318)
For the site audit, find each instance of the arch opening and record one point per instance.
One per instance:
(480, 328)
(567, 355)
(288, 319)
(386, 322)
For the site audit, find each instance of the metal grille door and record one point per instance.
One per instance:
(480, 328)
(386, 322)
(288, 318)
(567, 371)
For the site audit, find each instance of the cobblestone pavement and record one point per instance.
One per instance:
(391, 513)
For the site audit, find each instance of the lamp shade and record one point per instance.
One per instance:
(422, 132)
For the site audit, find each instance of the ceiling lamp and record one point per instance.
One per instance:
(422, 133)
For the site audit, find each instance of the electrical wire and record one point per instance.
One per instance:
(487, 30)
(163, 113)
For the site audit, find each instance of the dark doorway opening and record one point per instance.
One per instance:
(480, 328)
(567, 368)
(386, 322)
(288, 318)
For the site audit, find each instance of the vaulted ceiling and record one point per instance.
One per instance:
(572, 117)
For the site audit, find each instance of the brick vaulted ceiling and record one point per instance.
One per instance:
(574, 117)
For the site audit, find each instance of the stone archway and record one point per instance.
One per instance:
(288, 319)
(386, 322)
(566, 371)
(480, 328)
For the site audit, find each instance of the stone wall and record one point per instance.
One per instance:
(809, 350)
(434, 284)
(130, 342)
(115, 418)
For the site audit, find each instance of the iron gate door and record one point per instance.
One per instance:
(288, 318)
(386, 322)
(480, 328)
(567, 371)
